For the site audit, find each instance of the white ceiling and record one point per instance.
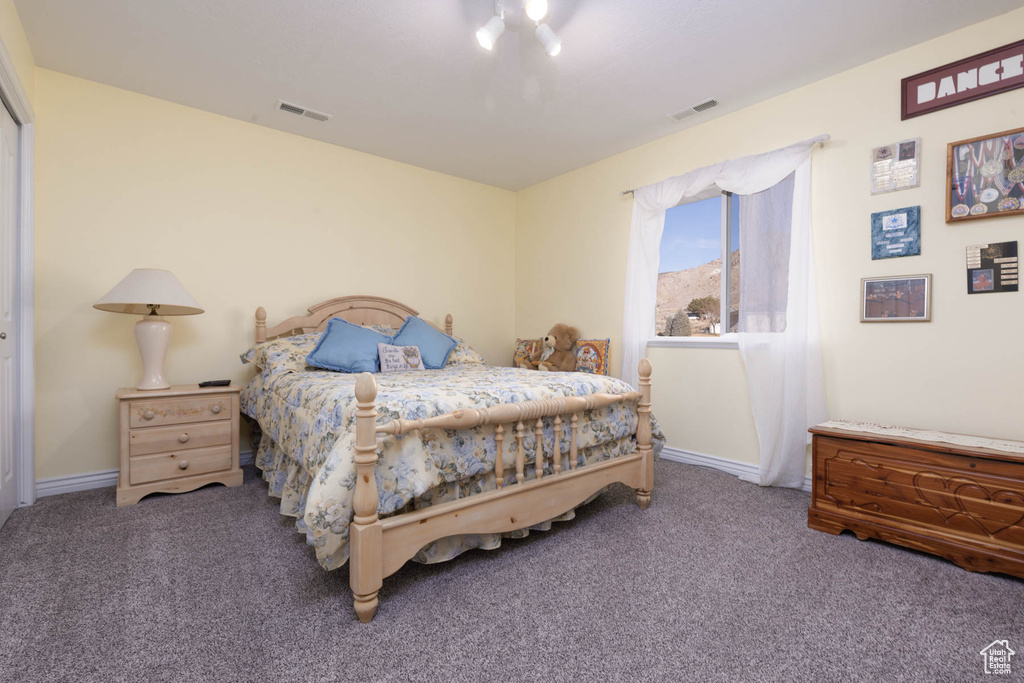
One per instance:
(406, 79)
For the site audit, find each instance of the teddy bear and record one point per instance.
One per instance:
(556, 350)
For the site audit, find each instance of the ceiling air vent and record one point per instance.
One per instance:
(695, 109)
(302, 111)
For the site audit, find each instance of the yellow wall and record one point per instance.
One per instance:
(13, 36)
(961, 372)
(248, 216)
(244, 216)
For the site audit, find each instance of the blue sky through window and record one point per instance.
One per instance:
(693, 234)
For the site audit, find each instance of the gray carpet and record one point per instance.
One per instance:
(717, 581)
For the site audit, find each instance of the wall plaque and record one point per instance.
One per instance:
(988, 73)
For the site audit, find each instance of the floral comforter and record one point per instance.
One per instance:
(307, 421)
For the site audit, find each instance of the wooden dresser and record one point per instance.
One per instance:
(177, 439)
(963, 502)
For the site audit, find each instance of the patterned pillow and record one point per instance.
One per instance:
(287, 354)
(399, 358)
(525, 348)
(464, 354)
(591, 354)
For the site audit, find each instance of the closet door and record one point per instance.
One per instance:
(8, 318)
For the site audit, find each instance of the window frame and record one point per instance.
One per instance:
(726, 340)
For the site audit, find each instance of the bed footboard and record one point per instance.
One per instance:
(379, 548)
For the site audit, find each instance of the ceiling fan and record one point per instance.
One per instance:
(535, 10)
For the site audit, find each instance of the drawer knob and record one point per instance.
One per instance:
(183, 465)
(215, 410)
(183, 438)
(148, 415)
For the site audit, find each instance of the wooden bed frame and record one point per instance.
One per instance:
(379, 547)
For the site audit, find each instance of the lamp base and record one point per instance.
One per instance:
(153, 335)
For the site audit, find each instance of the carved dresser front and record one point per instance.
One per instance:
(955, 496)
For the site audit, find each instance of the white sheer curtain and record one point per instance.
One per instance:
(779, 338)
(745, 176)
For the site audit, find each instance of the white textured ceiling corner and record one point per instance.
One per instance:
(406, 79)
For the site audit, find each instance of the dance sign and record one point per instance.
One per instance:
(988, 73)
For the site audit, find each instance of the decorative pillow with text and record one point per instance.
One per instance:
(399, 358)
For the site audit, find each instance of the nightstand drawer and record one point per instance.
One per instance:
(178, 437)
(179, 464)
(179, 410)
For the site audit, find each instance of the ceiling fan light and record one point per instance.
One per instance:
(491, 31)
(536, 9)
(552, 43)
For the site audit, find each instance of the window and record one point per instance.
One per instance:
(698, 289)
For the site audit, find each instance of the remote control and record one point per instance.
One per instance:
(214, 383)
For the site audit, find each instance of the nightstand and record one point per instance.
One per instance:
(176, 440)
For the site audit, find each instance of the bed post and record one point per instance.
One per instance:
(366, 566)
(448, 324)
(261, 325)
(643, 436)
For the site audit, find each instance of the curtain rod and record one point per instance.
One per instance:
(821, 145)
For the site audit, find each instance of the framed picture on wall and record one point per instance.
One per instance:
(895, 233)
(901, 298)
(985, 176)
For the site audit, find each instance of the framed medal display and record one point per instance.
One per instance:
(985, 176)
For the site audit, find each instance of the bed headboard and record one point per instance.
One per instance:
(359, 310)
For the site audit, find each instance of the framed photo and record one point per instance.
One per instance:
(902, 298)
(985, 176)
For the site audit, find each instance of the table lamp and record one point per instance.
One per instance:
(151, 293)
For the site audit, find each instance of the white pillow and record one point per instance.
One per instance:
(399, 358)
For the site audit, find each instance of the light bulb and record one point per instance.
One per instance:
(491, 31)
(552, 43)
(536, 9)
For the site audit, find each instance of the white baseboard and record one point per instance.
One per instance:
(715, 462)
(98, 480)
(75, 482)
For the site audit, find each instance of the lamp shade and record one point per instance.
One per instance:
(491, 31)
(552, 43)
(145, 287)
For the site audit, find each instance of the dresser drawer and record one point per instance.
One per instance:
(178, 437)
(170, 411)
(149, 468)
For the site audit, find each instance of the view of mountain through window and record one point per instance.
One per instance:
(691, 269)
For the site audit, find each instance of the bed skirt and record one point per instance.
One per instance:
(290, 482)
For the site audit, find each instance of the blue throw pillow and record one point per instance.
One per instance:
(434, 345)
(345, 347)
